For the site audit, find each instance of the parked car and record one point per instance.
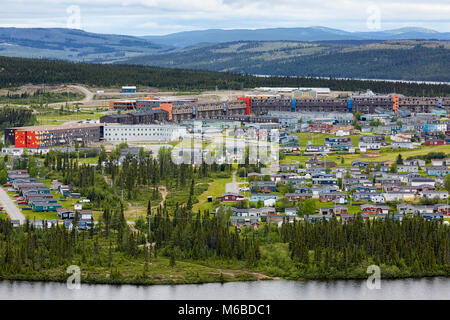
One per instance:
(244, 189)
(11, 190)
(27, 208)
(85, 201)
(22, 203)
(7, 185)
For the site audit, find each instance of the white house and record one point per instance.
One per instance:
(377, 198)
(420, 181)
(269, 202)
(402, 145)
(430, 194)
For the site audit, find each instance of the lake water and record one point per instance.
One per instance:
(426, 288)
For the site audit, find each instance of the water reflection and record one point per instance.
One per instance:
(426, 288)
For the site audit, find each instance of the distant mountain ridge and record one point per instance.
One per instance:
(72, 44)
(191, 38)
(312, 51)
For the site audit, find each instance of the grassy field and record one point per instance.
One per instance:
(57, 118)
(383, 155)
(215, 189)
(43, 98)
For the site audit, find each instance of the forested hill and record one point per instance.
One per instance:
(72, 45)
(399, 59)
(19, 71)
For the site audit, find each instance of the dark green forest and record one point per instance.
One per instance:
(397, 60)
(14, 117)
(114, 253)
(420, 63)
(19, 71)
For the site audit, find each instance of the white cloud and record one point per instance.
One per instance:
(164, 16)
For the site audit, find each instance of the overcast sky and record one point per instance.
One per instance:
(155, 17)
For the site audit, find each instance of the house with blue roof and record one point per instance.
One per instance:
(437, 171)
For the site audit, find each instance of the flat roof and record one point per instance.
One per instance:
(59, 127)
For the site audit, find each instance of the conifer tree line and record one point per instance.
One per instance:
(414, 244)
(21, 71)
(15, 117)
(111, 180)
(198, 235)
(27, 249)
(144, 170)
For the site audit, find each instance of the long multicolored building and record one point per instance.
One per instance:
(52, 135)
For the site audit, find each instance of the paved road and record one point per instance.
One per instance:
(10, 207)
(232, 187)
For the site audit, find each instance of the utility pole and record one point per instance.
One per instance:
(148, 222)
(149, 240)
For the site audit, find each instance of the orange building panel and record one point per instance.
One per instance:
(33, 139)
(20, 139)
(166, 107)
(395, 104)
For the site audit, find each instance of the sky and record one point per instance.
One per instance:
(158, 17)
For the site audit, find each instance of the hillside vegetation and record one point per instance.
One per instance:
(71, 44)
(399, 60)
(19, 71)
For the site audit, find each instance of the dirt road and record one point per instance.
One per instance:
(88, 96)
(232, 187)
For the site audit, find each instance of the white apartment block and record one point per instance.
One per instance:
(143, 133)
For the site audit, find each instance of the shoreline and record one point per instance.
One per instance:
(152, 282)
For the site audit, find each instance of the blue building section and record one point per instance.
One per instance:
(128, 89)
(293, 105)
(193, 112)
(350, 105)
(404, 112)
(224, 108)
(440, 102)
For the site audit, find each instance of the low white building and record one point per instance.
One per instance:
(143, 133)
(377, 198)
(20, 151)
(402, 145)
(12, 151)
(407, 169)
(369, 146)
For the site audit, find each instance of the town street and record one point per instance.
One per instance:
(10, 207)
